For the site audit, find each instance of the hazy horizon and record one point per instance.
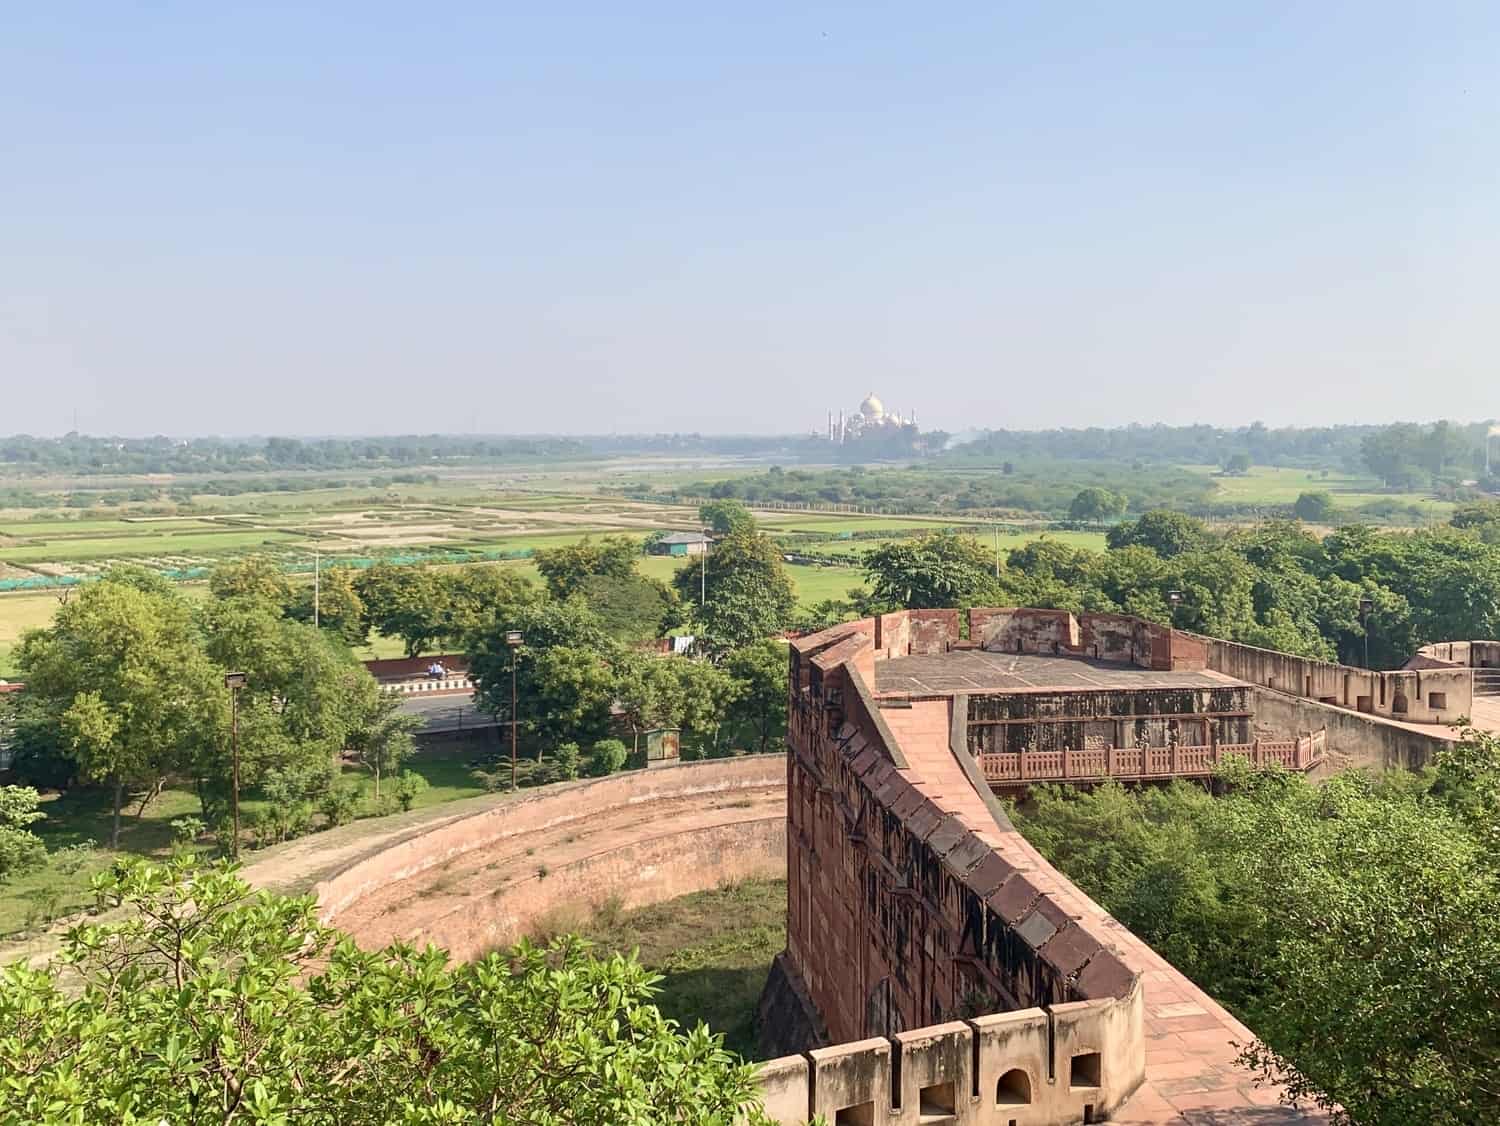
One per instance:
(594, 221)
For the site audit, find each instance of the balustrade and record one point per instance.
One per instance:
(1097, 764)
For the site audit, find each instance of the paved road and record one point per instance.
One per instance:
(446, 713)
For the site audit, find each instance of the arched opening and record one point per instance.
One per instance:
(1014, 1088)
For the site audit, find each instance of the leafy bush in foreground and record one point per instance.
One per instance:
(212, 1004)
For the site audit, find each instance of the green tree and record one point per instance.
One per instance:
(1393, 454)
(1096, 505)
(1316, 507)
(340, 609)
(256, 577)
(384, 737)
(1165, 532)
(565, 568)
(726, 516)
(1362, 949)
(404, 602)
(633, 608)
(471, 599)
(305, 699)
(122, 675)
(758, 710)
(20, 849)
(576, 683)
(572, 691)
(606, 757)
(1237, 465)
(933, 571)
(207, 1003)
(705, 692)
(748, 594)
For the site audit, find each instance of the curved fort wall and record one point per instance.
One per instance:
(482, 879)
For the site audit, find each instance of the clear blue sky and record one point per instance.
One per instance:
(590, 217)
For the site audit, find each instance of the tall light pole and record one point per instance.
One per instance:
(997, 551)
(703, 571)
(1366, 605)
(513, 639)
(234, 681)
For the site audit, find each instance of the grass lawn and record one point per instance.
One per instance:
(816, 522)
(713, 950)
(819, 584)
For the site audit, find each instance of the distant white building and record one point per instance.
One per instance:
(870, 415)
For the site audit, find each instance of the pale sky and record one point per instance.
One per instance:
(507, 218)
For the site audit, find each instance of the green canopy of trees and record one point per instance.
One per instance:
(742, 595)
(1275, 585)
(206, 1003)
(1354, 925)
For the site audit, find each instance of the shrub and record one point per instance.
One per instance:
(20, 850)
(340, 804)
(408, 786)
(607, 757)
(565, 758)
(491, 780)
(383, 806)
(186, 830)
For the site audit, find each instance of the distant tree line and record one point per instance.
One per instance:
(1431, 450)
(1041, 487)
(83, 454)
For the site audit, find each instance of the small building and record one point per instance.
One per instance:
(662, 746)
(681, 543)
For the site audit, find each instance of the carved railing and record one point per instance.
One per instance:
(1125, 763)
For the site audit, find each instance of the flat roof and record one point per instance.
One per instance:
(945, 674)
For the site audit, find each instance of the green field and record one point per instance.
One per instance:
(836, 525)
(1264, 485)
(31, 529)
(88, 549)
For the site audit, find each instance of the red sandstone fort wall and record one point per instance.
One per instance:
(1434, 696)
(901, 916)
(653, 866)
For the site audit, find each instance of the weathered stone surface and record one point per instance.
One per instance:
(909, 895)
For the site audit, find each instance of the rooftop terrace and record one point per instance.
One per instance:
(945, 674)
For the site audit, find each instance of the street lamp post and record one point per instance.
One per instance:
(234, 681)
(1366, 605)
(513, 639)
(1174, 597)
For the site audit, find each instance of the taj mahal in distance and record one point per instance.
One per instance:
(870, 416)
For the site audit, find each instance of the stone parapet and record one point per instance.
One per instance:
(1031, 1067)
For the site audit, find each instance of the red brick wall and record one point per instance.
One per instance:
(898, 916)
(404, 668)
